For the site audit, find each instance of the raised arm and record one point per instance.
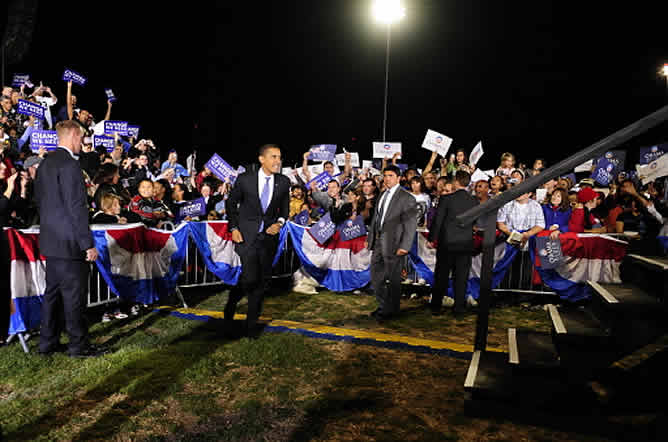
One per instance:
(307, 173)
(430, 164)
(70, 107)
(107, 116)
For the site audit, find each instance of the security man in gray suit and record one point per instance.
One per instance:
(391, 236)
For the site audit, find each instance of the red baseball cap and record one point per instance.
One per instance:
(586, 194)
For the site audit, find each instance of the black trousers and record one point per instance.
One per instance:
(386, 281)
(65, 296)
(460, 264)
(255, 278)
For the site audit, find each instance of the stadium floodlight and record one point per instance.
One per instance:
(388, 11)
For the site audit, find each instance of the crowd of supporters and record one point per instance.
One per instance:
(140, 182)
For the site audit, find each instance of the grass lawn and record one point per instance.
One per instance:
(170, 378)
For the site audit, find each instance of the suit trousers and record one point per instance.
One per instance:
(256, 260)
(386, 281)
(460, 264)
(66, 285)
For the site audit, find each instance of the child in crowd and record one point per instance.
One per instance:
(557, 213)
(110, 211)
(152, 213)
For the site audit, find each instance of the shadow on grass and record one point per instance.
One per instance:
(151, 377)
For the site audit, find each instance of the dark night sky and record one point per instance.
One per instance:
(536, 78)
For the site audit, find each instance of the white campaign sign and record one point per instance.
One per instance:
(479, 175)
(367, 164)
(354, 159)
(382, 150)
(476, 153)
(436, 142)
(656, 169)
(585, 167)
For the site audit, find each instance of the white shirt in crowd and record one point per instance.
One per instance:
(521, 217)
(46, 103)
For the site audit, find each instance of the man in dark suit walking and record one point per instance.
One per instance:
(455, 244)
(391, 236)
(257, 208)
(66, 242)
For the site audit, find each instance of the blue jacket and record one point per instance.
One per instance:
(557, 217)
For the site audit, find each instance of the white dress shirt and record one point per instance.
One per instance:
(387, 197)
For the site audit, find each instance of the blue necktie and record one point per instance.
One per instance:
(264, 200)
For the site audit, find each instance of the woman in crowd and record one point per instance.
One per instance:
(507, 165)
(297, 200)
(557, 213)
(423, 200)
(496, 186)
(107, 182)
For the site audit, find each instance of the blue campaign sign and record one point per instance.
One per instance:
(193, 208)
(112, 127)
(549, 251)
(102, 140)
(617, 158)
(603, 174)
(302, 218)
(43, 138)
(221, 169)
(20, 79)
(321, 181)
(323, 152)
(133, 131)
(29, 108)
(649, 154)
(70, 75)
(323, 229)
(402, 167)
(352, 228)
(110, 95)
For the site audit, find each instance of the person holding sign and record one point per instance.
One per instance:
(257, 208)
(391, 236)
(67, 242)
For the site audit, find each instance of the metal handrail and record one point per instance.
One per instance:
(607, 143)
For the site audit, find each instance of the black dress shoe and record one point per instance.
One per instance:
(88, 352)
(60, 348)
(382, 317)
(374, 313)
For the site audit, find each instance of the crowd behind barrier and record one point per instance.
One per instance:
(132, 180)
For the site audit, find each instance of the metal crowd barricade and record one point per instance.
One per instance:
(99, 292)
(519, 277)
(196, 274)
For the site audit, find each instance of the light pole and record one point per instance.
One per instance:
(387, 12)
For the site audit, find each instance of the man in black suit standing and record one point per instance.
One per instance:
(391, 236)
(455, 244)
(66, 242)
(257, 208)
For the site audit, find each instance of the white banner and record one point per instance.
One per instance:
(436, 142)
(382, 150)
(476, 153)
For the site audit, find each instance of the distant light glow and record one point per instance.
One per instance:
(664, 71)
(388, 11)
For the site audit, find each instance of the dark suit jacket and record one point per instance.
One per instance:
(399, 226)
(61, 197)
(244, 210)
(445, 228)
